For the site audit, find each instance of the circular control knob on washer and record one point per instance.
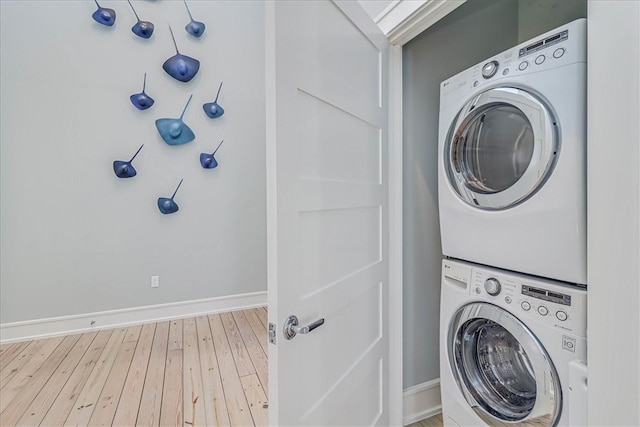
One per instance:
(492, 286)
(489, 69)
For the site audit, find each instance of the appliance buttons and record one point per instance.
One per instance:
(478, 291)
(492, 286)
(558, 52)
(489, 69)
(523, 65)
(543, 310)
(540, 59)
(507, 300)
(569, 343)
(525, 306)
(505, 71)
(475, 83)
(561, 315)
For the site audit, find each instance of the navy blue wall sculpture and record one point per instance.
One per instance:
(181, 67)
(195, 28)
(167, 205)
(142, 29)
(125, 169)
(208, 161)
(104, 15)
(141, 100)
(213, 109)
(175, 131)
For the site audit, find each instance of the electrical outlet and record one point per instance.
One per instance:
(155, 281)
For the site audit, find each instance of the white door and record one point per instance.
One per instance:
(327, 203)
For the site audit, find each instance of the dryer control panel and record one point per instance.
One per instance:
(553, 49)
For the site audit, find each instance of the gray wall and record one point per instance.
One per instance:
(74, 238)
(473, 32)
(539, 16)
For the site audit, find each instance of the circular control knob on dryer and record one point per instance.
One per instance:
(492, 286)
(489, 69)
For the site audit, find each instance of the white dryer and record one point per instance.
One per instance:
(512, 349)
(512, 169)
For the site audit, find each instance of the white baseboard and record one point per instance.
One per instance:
(64, 325)
(421, 401)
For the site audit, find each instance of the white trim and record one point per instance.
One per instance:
(395, 233)
(613, 212)
(271, 184)
(421, 401)
(407, 19)
(386, 11)
(64, 325)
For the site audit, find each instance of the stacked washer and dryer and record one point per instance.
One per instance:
(512, 201)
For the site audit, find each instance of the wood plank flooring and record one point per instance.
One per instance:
(203, 371)
(434, 421)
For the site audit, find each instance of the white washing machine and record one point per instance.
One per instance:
(512, 169)
(512, 349)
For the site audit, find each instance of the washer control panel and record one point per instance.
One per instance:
(552, 303)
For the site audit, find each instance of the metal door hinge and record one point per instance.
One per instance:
(272, 333)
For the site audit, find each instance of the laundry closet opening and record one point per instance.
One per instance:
(473, 32)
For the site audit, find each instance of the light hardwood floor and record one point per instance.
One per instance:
(209, 370)
(434, 421)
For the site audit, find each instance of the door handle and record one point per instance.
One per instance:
(291, 328)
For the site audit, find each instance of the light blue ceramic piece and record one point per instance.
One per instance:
(181, 67)
(213, 109)
(104, 15)
(175, 131)
(208, 161)
(141, 100)
(125, 169)
(167, 205)
(142, 29)
(195, 28)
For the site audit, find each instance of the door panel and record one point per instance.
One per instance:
(339, 147)
(327, 197)
(327, 236)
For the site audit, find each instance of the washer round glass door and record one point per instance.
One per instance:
(501, 368)
(501, 148)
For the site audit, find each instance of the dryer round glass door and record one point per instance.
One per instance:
(501, 148)
(501, 368)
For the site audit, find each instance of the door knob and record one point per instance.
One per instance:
(291, 328)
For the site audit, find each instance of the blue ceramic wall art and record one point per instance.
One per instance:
(213, 109)
(195, 28)
(208, 161)
(181, 67)
(125, 169)
(175, 131)
(167, 205)
(104, 15)
(141, 100)
(142, 29)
